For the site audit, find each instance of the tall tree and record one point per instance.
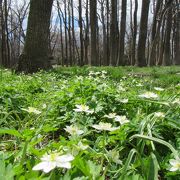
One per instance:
(113, 33)
(177, 35)
(81, 34)
(141, 51)
(152, 58)
(93, 26)
(86, 41)
(1, 32)
(35, 54)
(134, 34)
(120, 60)
(167, 45)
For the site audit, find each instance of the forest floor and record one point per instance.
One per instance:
(90, 123)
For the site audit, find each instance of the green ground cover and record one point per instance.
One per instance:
(90, 123)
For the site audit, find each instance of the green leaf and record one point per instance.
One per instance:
(127, 164)
(153, 168)
(158, 141)
(12, 132)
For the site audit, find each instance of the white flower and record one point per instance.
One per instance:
(103, 76)
(159, 114)
(73, 130)
(158, 89)
(80, 78)
(82, 146)
(121, 119)
(175, 163)
(114, 156)
(149, 95)
(124, 101)
(139, 85)
(32, 110)
(120, 88)
(176, 101)
(91, 73)
(110, 115)
(97, 73)
(105, 127)
(83, 108)
(104, 72)
(53, 160)
(44, 106)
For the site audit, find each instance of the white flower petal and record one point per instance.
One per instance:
(66, 165)
(40, 166)
(50, 166)
(65, 158)
(173, 169)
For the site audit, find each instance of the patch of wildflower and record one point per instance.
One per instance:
(105, 127)
(53, 160)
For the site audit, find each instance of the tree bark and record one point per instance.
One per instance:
(35, 54)
(81, 34)
(113, 33)
(134, 36)
(152, 58)
(86, 42)
(120, 60)
(141, 55)
(93, 26)
(167, 47)
(1, 32)
(177, 36)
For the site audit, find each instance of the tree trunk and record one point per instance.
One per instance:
(152, 58)
(141, 55)
(167, 47)
(69, 33)
(133, 58)
(177, 36)
(1, 32)
(81, 34)
(93, 24)
(104, 56)
(122, 33)
(113, 33)
(61, 34)
(108, 36)
(86, 42)
(73, 33)
(35, 54)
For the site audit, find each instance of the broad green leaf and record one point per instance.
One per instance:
(12, 132)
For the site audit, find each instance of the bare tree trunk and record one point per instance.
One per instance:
(35, 55)
(113, 33)
(81, 34)
(141, 57)
(61, 33)
(134, 34)
(66, 61)
(69, 32)
(104, 56)
(86, 42)
(73, 33)
(1, 14)
(93, 24)
(161, 44)
(177, 35)
(120, 60)
(107, 19)
(152, 58)
(167, 49)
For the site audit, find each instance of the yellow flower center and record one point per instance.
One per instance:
(53, 157)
